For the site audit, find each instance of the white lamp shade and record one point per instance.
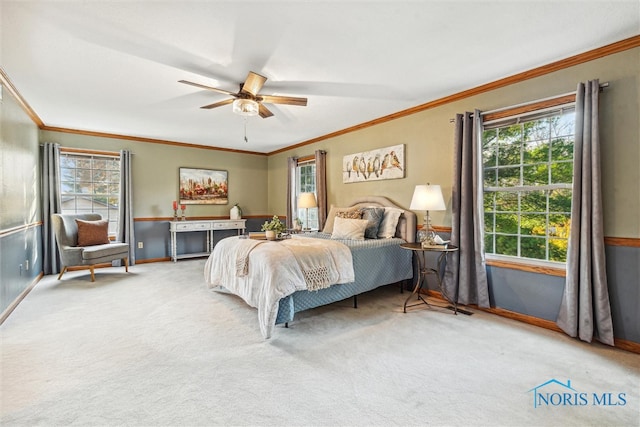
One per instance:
(307, 200)
(427, 198)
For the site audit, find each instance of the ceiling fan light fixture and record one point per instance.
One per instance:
(245, 107)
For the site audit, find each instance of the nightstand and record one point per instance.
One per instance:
(420, 254)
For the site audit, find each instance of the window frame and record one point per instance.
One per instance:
(109, 208)
(302, 212)
(550, 107)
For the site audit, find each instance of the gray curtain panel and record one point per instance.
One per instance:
(466, 275)
(292, 164)
(585, 311)
(125, 218)
(321, 186)
(51, 203)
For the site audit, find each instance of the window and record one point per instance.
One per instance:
(528, 169)
(306, 183)
(90, 183)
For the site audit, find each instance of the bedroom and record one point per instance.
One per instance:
(257, 181)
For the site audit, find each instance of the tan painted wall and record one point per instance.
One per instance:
(155, 174)
(428, 139)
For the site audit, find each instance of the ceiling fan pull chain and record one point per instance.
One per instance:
(245, 130)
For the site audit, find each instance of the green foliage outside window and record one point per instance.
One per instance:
(528, 169)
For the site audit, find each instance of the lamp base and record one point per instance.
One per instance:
(426, 235)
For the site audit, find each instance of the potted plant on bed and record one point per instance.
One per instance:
(273, 228)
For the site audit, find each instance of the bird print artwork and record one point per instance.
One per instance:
(369, 167)
(376, 165)
(355, 166)
(362, 167)
(385, 163)
(382, 163)
(395, 162)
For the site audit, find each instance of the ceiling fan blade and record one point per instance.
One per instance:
(218, 104)
(264, 111)
(253, 83)
(289, 100)
(215, 89)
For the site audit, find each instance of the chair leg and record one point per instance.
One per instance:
(62, 272)
(93, 277)
(126, 264)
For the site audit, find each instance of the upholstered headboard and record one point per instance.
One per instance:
(406, 228)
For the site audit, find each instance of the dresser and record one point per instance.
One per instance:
(207, 226)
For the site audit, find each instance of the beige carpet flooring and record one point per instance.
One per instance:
(155, 347)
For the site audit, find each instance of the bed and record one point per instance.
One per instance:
(273, 276)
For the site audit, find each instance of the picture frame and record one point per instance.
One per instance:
(374, 165)
(198, 186)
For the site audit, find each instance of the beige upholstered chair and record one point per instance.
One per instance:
(71, 254)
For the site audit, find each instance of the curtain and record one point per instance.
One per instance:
(466, 275)
(51, 203)
(585, 311)
(125, 215)
(321, 186)
(292, 164)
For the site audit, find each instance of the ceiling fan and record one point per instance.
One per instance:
(248, 101)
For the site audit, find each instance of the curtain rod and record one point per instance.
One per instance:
(497, 110)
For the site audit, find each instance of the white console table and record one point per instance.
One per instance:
(207, 226)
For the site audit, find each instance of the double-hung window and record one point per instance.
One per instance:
(306, 183)
(90, 183)
(528, 169)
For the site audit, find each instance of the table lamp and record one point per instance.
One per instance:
(306, 201)
(427, 198)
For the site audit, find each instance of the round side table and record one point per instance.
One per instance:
(419, 253)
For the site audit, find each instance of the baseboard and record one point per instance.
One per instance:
(19, 299)
(150, 260)
(626, 345)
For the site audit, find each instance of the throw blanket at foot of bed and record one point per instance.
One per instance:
(263, 273)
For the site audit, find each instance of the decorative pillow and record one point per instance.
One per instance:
(374, 216)
(389, 223)
(92, 232)
(328, 226)
(350, 214)
(349, 229)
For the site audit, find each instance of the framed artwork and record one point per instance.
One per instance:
(383, 163)
(203, 187)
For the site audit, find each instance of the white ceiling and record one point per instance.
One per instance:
(114, 66)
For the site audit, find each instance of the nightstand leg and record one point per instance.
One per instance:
(420, 279)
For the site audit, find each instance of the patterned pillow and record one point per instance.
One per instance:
(92, 232)
(349, 229)
(331, 216)
(389, 223)
(374, 216)
(349, 214)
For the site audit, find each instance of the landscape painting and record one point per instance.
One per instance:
(203, 187)
(382, 163)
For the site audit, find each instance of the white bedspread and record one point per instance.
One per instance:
(263, 273)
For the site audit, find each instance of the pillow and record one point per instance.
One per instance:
(328, 226)
(350, 229)
(349, 214)
(92, 232)
(387, 228)
(374, 216)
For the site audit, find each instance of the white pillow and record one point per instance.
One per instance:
(349, 229)
(389, 223)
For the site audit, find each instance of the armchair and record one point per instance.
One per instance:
(71, 254)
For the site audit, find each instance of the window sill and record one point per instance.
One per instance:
(541, 267)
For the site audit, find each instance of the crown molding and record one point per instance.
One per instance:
(610, 49)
